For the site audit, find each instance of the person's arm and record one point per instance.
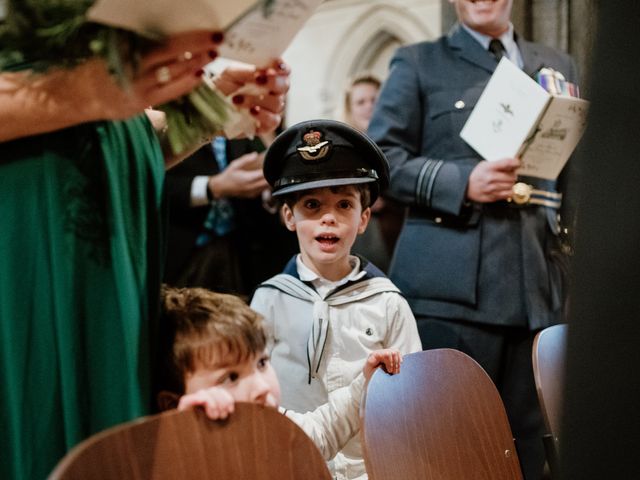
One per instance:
(333, 424)
(32, 104)
(196, 182)
(243, 178)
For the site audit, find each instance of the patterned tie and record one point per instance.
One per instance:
(497, 48)
(220, 219)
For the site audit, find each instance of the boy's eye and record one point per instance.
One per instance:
(263, 362)
(230, 377)
(344, 204)
(311, 203)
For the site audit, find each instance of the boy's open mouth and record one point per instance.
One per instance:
(327, 239)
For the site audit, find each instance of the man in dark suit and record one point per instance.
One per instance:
(482, 273)
(220, 236)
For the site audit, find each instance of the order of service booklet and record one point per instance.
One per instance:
(256, 31)
(516, 117)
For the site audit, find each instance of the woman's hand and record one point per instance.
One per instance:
(169, 71)
(260, 90)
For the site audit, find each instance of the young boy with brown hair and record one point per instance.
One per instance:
(329, 309)
(218, 356)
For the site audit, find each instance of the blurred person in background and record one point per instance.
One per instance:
(378, 241)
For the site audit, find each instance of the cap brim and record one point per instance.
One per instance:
(327, 182)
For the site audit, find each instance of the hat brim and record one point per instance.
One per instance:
(327, 182)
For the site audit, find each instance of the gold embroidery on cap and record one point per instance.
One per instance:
(314, 149)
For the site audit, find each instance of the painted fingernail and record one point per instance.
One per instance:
(261, 79)
(237, 99)
(199, 73)
(272, 93)
(212, 54)
(217, 37)
(255, 110)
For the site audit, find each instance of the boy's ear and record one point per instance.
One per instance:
(287, 216)
(364, 220)
(168, 400)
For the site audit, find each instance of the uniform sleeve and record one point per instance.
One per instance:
(333, 424)
(403, 330)
(397, 126)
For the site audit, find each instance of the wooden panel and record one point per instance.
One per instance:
(440, 418)
(255, 442)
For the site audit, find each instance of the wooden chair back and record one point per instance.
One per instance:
(549, 357)
(254, 443)
(441, 418)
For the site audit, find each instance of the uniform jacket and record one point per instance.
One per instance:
(492, 263)
(320, 344)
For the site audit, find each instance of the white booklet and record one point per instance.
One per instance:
(253, 33)
(516, 117)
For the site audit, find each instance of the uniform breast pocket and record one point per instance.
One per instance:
(449, 109)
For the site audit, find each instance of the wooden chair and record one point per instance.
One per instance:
(441, 418)
(255, 442)
(549, 352)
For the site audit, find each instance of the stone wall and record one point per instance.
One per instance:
(347, 37)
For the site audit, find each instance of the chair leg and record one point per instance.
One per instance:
(551, 451)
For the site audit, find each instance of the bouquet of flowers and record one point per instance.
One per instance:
(45, 34)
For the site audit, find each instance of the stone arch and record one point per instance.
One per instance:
(368, 46)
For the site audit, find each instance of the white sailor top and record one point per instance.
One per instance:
(320, 343)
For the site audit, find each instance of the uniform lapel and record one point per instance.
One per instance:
(469, 49)
(530, 57)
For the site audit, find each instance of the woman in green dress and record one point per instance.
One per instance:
(81, 174)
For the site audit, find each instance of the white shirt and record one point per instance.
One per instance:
(324, 286)
(508, 41)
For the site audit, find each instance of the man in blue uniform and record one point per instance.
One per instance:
(482, 272)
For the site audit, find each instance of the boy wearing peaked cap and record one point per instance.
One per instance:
(329, 309)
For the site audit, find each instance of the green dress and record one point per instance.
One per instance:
(79, 259)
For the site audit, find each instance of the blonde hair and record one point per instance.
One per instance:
(208, 329)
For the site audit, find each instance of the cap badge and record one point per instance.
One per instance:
(314, 148)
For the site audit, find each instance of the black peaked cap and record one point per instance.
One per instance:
(324, 153)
